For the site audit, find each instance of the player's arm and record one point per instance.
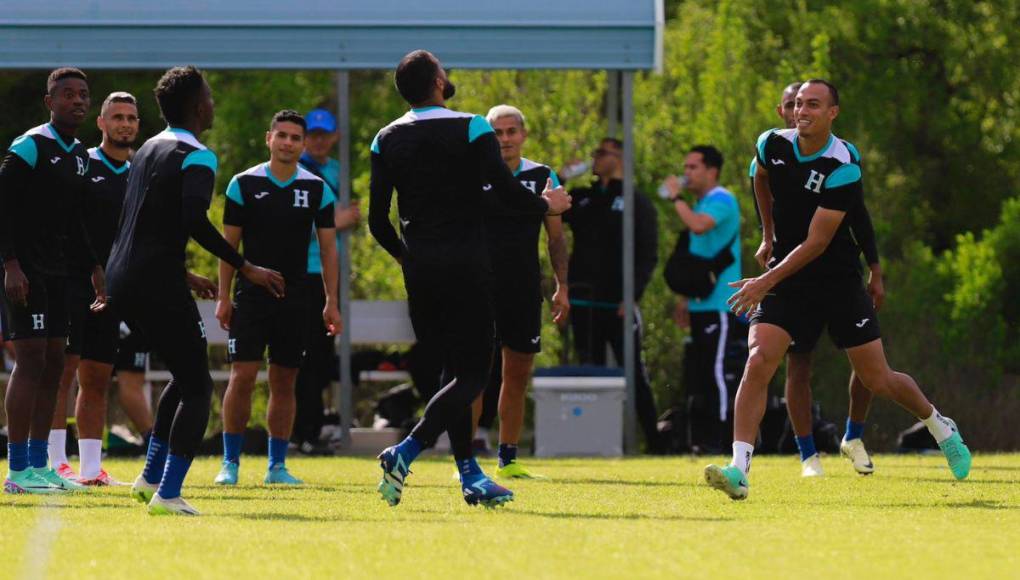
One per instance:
(14, 178)
(325, 231)
(224, 307)
(864, 233)
(379, 202)
(763, 200)
(80, 239)
(559, 257)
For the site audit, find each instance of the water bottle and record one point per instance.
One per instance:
(664, 190)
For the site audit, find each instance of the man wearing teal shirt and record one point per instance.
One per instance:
(717, 348)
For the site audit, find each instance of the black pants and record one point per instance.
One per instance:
(593, 329)
(169, 318)
(448, 300)
(318, 368)
(490, 399)
(713, 363)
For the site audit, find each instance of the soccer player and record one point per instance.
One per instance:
(806, 182)
(168, 193)
(270, 208)
(798, 359)
(41, 182)
(442, 163)
(516, 285)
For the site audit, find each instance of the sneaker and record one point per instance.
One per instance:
(278, 474)
(227, 474)
(170, 507)
(486, 492)
(142, 490)
(957, 454)
(395, 471)
(50, 475)
(811, 467)
(64, 470)
(101, 480)
(26, 481)
(854, 451)
(314, 449)
(514, 470)
(729, 480)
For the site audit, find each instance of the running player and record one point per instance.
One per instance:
(168, 193)
(806, 182)
(798, 359)
(441, 162)
(271, 208)
(41, 182)
(516, 286)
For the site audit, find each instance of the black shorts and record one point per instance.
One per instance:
(80, 296)
(171, 325)
(517, 307)
(132, 350)
(259, 320)
(846, 310)
(45, 314)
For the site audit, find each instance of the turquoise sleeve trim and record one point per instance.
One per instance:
(853, 151)
(328, 197)
(762, 140)
(754, 167)
(203, 157)
(555, 178)
(375, 145)
(234, 191)
(478, 127)
(25, 148)
(843, 175)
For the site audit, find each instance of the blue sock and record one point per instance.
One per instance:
(17, 456)
(469, 471)
(409, 448)
(155, 460)
(38, 452)
(173, 478)
(232, 443)
(853, 430)
(277, 451)
(806, 444)
(507, 454)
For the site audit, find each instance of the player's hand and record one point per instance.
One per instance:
(557, 198)
(224, 312)
(271, 280)
(347, 217)
(876, 288)
(764, 253)
(681, 315)
(560, 306)
(750, 294)
(99, 285)
(15, 283)
(202, 286)
(331, 319)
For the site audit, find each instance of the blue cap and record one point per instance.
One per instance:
(320, 120)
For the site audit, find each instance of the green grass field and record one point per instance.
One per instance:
(594, 518)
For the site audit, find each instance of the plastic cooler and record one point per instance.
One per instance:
(578, 411)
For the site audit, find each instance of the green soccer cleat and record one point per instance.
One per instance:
(170, 507)
(142, 491)
(278, 474)
(957, 454)
(228, 474)
(27, 481)
(514, 470)
(53, 478)
(729, 480)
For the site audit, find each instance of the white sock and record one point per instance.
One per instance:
(939, 427)
(742, 455)
(90, 452)
(482, 434)
(58, 447)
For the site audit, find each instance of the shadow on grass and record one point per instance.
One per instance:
(955, 481)
(126, 504)
(588, 516)
(293, 517)
(631, 482)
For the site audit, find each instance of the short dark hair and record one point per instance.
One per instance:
(793, 87)
(289, 116)
(711, 156)
(618, 143)
(64, 72)
(177, 91)
(415, 74)
(833, 93)
(117, 97)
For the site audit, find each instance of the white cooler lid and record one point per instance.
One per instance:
(579, 383)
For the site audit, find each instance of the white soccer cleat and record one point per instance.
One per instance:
(854, 451)
(811, 467)
(142, 490)
(165, 507)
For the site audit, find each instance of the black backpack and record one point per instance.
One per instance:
(692, 275)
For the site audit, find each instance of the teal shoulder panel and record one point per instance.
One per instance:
(203, 157)
(478, 127)
(234, 191)
(753, 168)
(843, 175)
(328, 197)
(762, 139)
(853, 151)
(25, 148)
(555, 178)
(375, 144)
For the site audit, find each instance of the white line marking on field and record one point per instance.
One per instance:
(40, 540)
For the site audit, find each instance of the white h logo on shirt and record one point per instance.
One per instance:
(232, 346)
(814, 181)
(300, 198)
(81, 165)
(38, 322)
